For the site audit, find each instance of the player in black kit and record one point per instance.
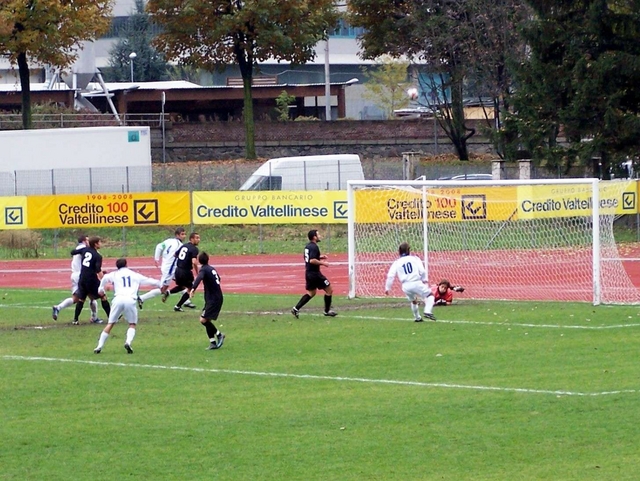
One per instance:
(186, 266)
(314, 279)
(90, 274)
(212, 298)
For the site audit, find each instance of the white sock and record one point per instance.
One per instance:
(131, 333)
(103, 338)
(150, 294)
(428, 304)
(66, 303)
(415, 309)
(188, 301)
(94, 309)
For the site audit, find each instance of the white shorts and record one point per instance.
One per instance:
(167, 277)
(416, 289)
(126, 306)
(75, 277)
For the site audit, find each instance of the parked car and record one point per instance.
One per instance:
(468, 177)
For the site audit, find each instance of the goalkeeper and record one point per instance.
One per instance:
(443, 292)
(410, 271)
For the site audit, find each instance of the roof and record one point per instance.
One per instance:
(166, 85)
(182, 84)
(33, 86)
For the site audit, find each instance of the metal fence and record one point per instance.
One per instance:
(76, 181)
(66, 120)
(220, 176)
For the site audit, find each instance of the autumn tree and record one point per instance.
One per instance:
(218, 33)
(387, 84)
(47, 32)
(149, 64)
(498, 46)
(449, 40)
(428, 32)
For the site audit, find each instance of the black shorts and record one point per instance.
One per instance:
(87, 287)
(315, 280)
(211, 311)
(184, 278)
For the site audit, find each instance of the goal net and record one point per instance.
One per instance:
(510, 240)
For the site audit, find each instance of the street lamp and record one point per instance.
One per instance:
(132, 55)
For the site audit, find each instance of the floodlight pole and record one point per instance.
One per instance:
(327, 82)
(132, 55)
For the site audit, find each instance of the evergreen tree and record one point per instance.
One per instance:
(581, 83)
(149, 64)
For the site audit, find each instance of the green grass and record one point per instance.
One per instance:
(492, 391)
(141, 241)
(288, 239)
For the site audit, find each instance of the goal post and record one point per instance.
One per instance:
(510, 239)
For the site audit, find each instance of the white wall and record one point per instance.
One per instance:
(80, 160)
(74, 148)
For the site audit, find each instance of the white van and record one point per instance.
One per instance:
(312, 172)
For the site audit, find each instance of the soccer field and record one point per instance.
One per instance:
(491, 391)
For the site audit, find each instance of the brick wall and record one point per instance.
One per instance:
(225, 140)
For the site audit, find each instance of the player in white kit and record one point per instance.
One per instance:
(76, 265)
(125, 288)
(412, 275)
(164, 258)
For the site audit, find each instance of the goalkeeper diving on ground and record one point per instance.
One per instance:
(443, 292)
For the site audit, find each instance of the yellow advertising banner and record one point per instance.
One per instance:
(108, 210)
(457, 204)
(270, 207)
(575, 200)
(451, 204)
(14, 212)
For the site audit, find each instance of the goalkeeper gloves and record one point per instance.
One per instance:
(440, 302)
(457, 289)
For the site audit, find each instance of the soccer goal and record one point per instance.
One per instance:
(510, 240)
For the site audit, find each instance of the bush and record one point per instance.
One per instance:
(21, 243)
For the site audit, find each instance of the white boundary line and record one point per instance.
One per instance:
(348, 315)
(327, 378)
(65, 269)
(502, 324)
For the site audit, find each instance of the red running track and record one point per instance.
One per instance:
(254, 274)
(251, 274)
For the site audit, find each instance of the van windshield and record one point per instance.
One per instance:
(263, 182)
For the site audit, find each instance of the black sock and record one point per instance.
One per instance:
(183, 299)
(327, 303)
(303, 300)
(79, 306)
(106, 306)
(211, 329)
(176, 289)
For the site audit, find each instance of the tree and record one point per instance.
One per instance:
(47, 32)
(149, 65)
(282, 105)
(580, 81)
(218, 33)
(452, 42)
(387, 85)
(433, 32)
(498, 46)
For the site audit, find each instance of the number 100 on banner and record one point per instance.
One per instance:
(108, 210)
